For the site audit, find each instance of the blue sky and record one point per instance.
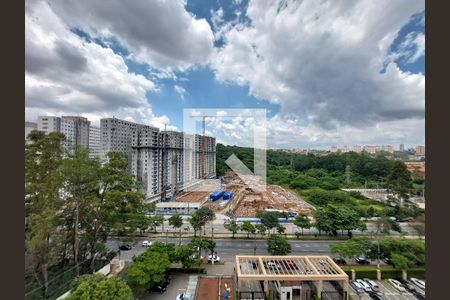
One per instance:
(326, 76)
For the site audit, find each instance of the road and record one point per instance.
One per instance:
(227, 249)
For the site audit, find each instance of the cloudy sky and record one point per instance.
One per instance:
(327, 72)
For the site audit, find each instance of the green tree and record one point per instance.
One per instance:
(400, 261)
(97, 287)
(80, 185)
(147, 270)
(176, 221)
(348, 249)
(184, 254)
(276, 245)
(400, 181)
(231, 226)
(205, 215)
(195, 222)
(261, 228)
(248, 227)
(333, 218)
(302, 221)
(43, 181)
(269, 219)
(281, 229)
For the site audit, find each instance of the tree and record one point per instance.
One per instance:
(261, 228)
(43, 181)
(205, 215)
(281, 229)
(231, 226)
(248, 227)
(337, 217)
(80, 185)
(400, 181)
(194, 220)
(184, 254)
(302, 221)
(400, 261)
(96, 287)
(348, 249)
(156, 221)
(176, 221)
(276, 245)
(147, 270)
(269, 219)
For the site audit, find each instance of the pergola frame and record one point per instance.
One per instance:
(289, 268)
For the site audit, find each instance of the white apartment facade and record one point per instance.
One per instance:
(95, 146)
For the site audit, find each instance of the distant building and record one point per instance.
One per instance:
(29, 127)
(344, 148)
(95, 145)
(357, 148)
(402, 148)
(388, 148)
(49, 124)
(333, 149)
(371, 149)
(420, 150)
(80, 129)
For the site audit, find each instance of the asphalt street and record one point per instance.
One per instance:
(227, 249)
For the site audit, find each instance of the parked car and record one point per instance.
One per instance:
(289, 264)
(272, 265)
(387, 261)
(339, 260)
(372, 284)
(357, 287)
(418, 282)
(376, 296)
(162, 287)
(362, 261)
(213, 258)
(180, 297)
(397, 285)
(125, 247)
(365, 285)
(146, 243)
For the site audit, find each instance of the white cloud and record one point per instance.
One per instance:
(67, 75)
(180, 91)
(321, 62)
(161, 33)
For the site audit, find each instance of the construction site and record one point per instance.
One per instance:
(245, 201)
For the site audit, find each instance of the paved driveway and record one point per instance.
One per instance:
(177, 285)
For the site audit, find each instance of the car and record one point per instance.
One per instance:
(289, 264)
(162, 287)
(339, 260)
(146, 243)
(376, 296)
(419, 283)
(387, 261)
(180, 296)
(362, 261)
(213, 258)
(125, 247)
(397, 285)
(272, 265)
(365, 285)
(372, 284)
(357, 287)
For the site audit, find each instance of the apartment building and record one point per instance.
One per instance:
(333, 149)
(402, 148)
(95, 146)
(357, 148)
(371, 149)
(49, 124)
(344, 149)
(420, 150)
(163, 161)
(387, 148)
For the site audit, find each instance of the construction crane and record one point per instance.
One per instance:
(202, 145)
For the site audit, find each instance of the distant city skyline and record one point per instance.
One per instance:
(324, 74)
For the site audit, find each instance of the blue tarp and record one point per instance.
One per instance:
(227, 195)
(215, 196)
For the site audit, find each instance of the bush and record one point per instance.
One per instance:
(416, 273)
(371, 274)
(395, 274)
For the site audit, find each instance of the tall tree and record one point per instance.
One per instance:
(231, 226)
(400, 181)
(261, 228)
(97, 287)
(302, 221)
(248, 227)
(348, 249)
(80, 185)
(43, 181)
(176, 221)
(205, 215)
(276, 245)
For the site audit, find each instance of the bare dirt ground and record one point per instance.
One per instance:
(209, 288)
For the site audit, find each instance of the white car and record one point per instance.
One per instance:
(146, 243)
(397, 285)
(419, 283)
(365, 285)
(213, 258)
(372, 284)
(180, 296)
(272, 265)
(358, 287)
